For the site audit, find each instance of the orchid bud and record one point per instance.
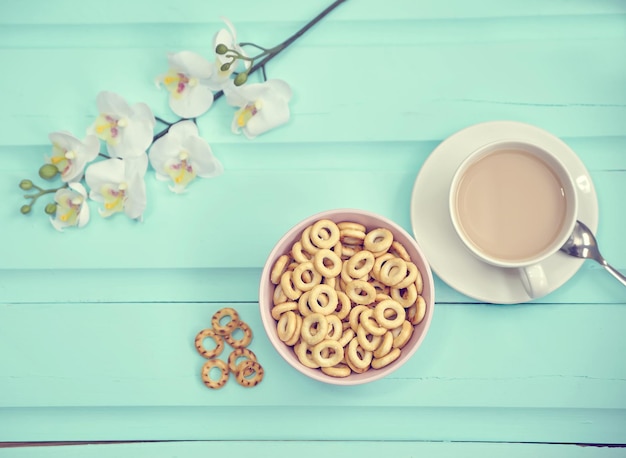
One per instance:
(25, 209)
(51, 209)
(241, 79)
(221, 49)
(225, 67)
(26, 185)
(48, 171)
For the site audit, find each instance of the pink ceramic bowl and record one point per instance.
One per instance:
(370, 221)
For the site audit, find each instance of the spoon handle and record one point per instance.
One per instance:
(616, 273)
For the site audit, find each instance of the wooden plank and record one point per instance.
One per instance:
(143, 355)
(283, 423)
(312, 449)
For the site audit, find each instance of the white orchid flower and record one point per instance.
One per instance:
(72, 208)
(189, 84)
(127, 130)
(262, 106)
(70, 155)
(119, 184)
(228, 38)
(181, 155)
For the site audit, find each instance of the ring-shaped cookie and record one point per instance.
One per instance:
(327, 263)
(296, 335)
(367, 320)
(335, 327)
(402, 334)
(360, 264)
(327, 353)
(279, 268)
(345, 276)
(406, 297)
(303, 352)
(286, 326)
(378, 240)
(392, 271)
(339, 370)
(244, 341)
(279, 296)
(359, 357)
(419, 283)
(346, 337)
(397, 249)
(226, 312)
(380, 260)
(416, 312)
(236, 356)
(379, 363)
(211, 334)
(305, 277)
(299, 254)
(382, 316)
(351, 236)
(367, 341)
(323, 299)
(324, 233)
(206, 373)
(344, 305)
(355, 316)
(314, 329)
(360, 292)
(411, 275)
(305, 239)
(385, 345)
(279, 309)
(351, 225)
(303, 304)
(249, 373)
(289, 288)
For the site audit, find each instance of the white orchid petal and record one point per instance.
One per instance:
(142, 113)
(194, 102)
(83, 216)
(112, 103)
(58, 225)
(205, 163)
(101, 173)
(136, 201)
(162, 150)
(184, 129)
(192, 64)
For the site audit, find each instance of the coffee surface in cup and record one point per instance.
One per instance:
(511, 205)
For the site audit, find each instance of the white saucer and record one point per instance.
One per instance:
(433, 230)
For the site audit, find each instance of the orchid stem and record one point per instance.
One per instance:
(169, 126)
(273, 52)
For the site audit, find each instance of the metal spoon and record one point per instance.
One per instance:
(582, 244)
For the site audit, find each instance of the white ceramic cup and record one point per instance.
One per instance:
(514, 204)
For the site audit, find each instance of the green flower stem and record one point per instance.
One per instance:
(42, 192)
(269, 55)
(273, 52)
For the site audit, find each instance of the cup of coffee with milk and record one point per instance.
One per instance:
(513, 204)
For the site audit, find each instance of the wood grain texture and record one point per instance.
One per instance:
(97, 325)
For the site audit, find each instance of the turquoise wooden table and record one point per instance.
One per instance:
(97, 323)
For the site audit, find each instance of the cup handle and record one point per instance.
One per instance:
(534, 280)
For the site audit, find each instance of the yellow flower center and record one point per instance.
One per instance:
(177, 82)
(114, 197)
(108, 128)
(245, 114)
(181, 171)
(62, 158)
(68, 208)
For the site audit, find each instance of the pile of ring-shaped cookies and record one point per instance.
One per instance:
(242, 362)
(346, 298)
